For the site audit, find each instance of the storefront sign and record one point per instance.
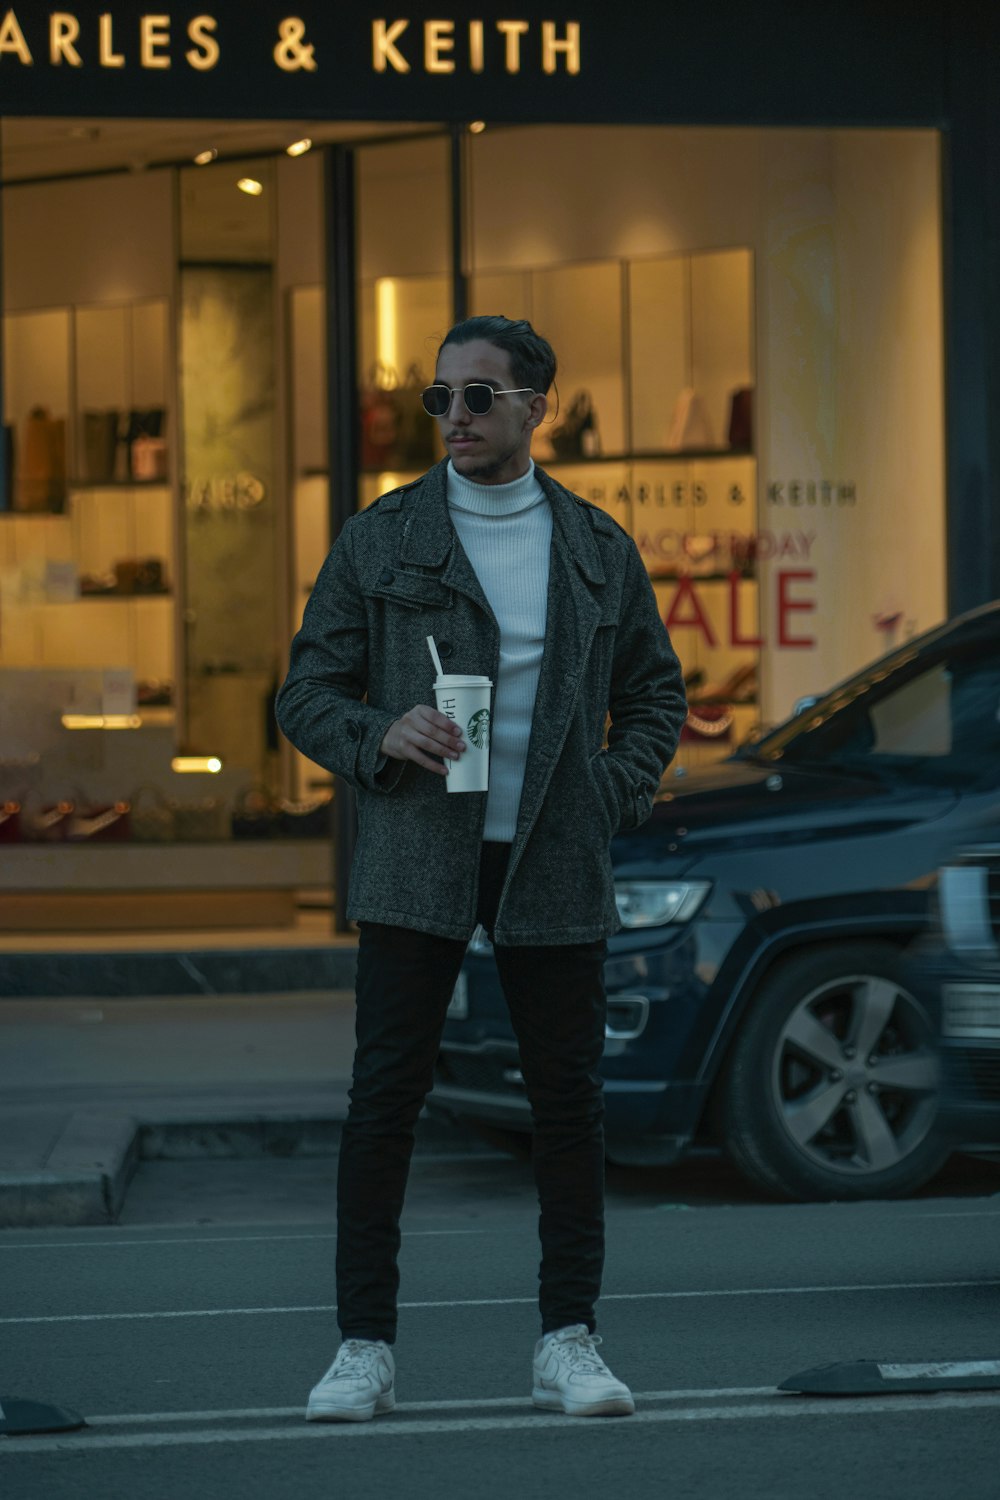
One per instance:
(224, 495)
(536, 60)
(158, 41)
(688, 607)
(198, 61)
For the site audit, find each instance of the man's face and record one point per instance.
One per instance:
(496, 448)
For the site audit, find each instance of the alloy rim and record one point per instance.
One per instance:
(855, 1076)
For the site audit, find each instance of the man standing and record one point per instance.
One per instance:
(519, 580)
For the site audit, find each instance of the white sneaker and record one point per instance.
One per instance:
(358, 1384)
(571, 1376)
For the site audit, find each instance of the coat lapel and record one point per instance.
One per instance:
(430, 540)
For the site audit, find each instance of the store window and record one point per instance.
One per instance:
(144, 541)
(749, 331)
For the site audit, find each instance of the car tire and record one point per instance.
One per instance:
(830, 1089)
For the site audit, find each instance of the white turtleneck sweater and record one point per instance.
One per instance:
(506, 530)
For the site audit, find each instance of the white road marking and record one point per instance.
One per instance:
(236, 1238)
(331, 1307)
(972, 1213)
(224, 1239)
(270, 1413)
(390, 1426)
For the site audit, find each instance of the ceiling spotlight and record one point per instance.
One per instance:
(476, 127)
(299, 148)
(250, 185)
(204, 157)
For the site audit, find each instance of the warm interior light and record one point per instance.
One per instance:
(299, 148)
(386, 322)
(101, 721)
(200, 763)
(250, 185)
(204, 157)
(476, 127)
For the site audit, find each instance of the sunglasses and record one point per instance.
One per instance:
(478, 398)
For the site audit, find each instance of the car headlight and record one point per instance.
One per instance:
(658, 903)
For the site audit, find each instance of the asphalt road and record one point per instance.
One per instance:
(190, 1333)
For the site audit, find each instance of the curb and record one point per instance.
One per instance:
(85, 1180)
(220, 971)
(88, 1173)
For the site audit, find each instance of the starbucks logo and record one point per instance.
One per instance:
(479, 728)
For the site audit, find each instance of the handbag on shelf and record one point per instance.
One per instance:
(577, 435)
(415, 446)
(690, 426)
(10, 823)
(98, 583)
(149, 459)
(740, 432)
(46, 824)
(154, 692)
(739, 687)
(708, 721)
(100, 823)
(10, 459)
(201, 821)
(380, 419)
(311, 819)
(145, 447)
(140, 575)
(255, 814)
(100, 445)
(153, 819)
(41, 483)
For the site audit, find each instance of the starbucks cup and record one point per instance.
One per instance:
(466, 700)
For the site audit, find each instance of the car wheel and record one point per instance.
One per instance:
(831, 1086)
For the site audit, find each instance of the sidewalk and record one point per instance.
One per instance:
(88, 1087)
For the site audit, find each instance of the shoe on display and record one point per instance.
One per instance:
(570, 1376)
(357, 1386)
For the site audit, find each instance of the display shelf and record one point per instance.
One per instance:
(650, 455)
(116, 484)
(674, 575)
(671, 455)
(110, 598)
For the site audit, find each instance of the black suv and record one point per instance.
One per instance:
(757, 995)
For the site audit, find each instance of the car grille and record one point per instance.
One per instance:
(485, 1072)
(992, 862)
(988, 859)
(973, 1075)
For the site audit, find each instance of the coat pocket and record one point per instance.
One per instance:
(605, 792)
(414, 590)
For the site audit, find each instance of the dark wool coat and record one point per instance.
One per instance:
(397, 574)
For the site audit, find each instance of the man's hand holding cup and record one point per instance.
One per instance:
(420, 734)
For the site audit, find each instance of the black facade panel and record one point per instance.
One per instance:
(861, 62)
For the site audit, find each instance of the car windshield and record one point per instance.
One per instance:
(931, 716)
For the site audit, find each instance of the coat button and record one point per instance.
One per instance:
(445, 648)
(353, 732)
(386, 576)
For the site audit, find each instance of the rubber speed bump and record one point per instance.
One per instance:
(869, 1377)
(19, 1417)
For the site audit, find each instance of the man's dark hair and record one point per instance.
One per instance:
(532, 358)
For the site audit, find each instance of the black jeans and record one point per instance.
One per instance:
(557, 1007)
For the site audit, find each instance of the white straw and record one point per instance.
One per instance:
(434, 654)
